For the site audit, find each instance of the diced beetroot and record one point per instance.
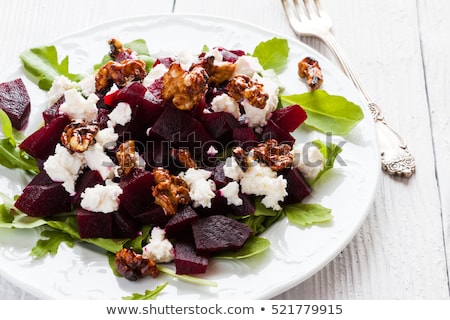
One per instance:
(180, 222)
(166, 61)
(245, 137)
(51, 113)
(123, 226)
(88, 179)
(289, 118)
(15, 101)
(156, 89)
(44, 200)
(218, 233)
(153, 216)
(247, 208)
(230, 55)
(94, 224)
(42, 142)
(220, 125)
(103, 117)
(41, 179)
(187, 260)
(218, 206)
(273, 131)
(111, 99)
(218, 176)
(297, 187)
(137, 191)
(179, 128)
(157, 154)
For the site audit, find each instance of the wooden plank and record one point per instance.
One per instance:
(434, 26)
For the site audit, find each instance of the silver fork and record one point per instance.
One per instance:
(308, 18)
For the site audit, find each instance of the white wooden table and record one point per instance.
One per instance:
(401, 51)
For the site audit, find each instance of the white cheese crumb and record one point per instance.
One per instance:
(121, 114)
(263, 181)
(308, 159)
(59, 85)
(155, 73)
(159, 249)
(226, 103)
(212, 151)
(87, 85)
(201, 190)
(77, 107)
(255, 117)
(98, 160)
(186, 59)
(231, 193)
(218, 57)
(65, 167)
(247, 65)
(232, 169)
(101, 198)
(106, 138)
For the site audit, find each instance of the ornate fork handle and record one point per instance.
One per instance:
(395, 156)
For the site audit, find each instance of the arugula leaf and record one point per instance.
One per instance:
(272, 54)
(262, 218)
(330, 152)
(187, 278)
(10, 217)
(252, 246)
(7, 127)
(327, 113)
(51, 244)
(42, 64)
(148, 294)
(306, 214)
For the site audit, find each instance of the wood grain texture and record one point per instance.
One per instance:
(399, 50)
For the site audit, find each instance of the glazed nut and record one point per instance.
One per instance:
(79, 135)
(243, 87)
(184, 88)
(309, 68)
(133, 266)
(276, 156)
(169, 191)
(126, 157)
(183, 157)
(116, 50)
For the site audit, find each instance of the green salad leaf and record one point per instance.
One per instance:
(43, 66)
(187, 278)
(330, 152)
(262, 218)
(148, 294)
(306, 214)
(51, 244)
(327, 113)
(253, 246)
(10, 217)
(272, 54)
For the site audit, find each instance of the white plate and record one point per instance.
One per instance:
(296, 253)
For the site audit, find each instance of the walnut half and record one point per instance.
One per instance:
(79, 135)
(133, 265)
(309, 68)
(243, 87)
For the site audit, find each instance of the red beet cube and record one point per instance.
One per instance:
(273, 131)
(187, 260)
(297, 187)
(41, 144)
(14, 100)
(181, 222)
(94, 224)
(136, 194)
(289, 118)
(218, 233)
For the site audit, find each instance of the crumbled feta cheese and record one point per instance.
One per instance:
(212, 151)
(272, 89)
(64, 167)
(254, 117)
(87, 85)
(218, 57)
(106, 138)
(159, 249)
(186, 59)
(102, 198)
(232, 170)
(59, 86)
(263, 181)
(121, 114)
(308, 159)
(247, 65)
(97, 159)
(77, 107)
(226, 103)
(231, 193)
(155, 73)
(201, 189)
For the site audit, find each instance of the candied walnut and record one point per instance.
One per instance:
(183, 156)
(276, 156)
(217, 73)
(184, 88)
(119, 73)
(79, 135)
(126, 156)
(309, 68)
(169, 191)
(241, 157)
(117, 52)
(243, 87)
(133, 265)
